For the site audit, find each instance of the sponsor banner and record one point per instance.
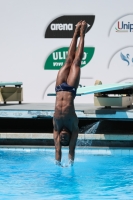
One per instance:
(123, 59)
(122, 26)
(57, 58)
(64, 26)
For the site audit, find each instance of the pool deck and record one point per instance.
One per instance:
(44, 139)
(46, 110)
(83, 111)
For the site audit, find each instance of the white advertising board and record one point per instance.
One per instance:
(35, 37)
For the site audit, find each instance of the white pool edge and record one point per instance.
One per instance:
(81, 150)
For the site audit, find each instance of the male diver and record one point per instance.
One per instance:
(65, 121)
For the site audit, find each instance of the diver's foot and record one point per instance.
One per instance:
(83, 28)
(77, 29)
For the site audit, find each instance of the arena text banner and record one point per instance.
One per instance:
(64, 26)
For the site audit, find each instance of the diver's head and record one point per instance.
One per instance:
(65, 136)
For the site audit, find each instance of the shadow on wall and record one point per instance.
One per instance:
(126, 80)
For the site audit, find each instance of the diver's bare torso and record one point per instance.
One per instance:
(65, 115)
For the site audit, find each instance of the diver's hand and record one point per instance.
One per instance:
(71, 162)
(57, 162)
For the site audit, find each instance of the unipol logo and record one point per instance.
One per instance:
(122, 25)
(64, 26)
(57, 58)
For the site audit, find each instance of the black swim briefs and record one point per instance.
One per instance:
(65, 87)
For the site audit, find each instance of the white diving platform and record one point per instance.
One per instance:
(103, 110)
(46, 111)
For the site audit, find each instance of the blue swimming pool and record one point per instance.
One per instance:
(31, 174)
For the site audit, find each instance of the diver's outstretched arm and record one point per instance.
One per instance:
(57, 147)
(72, 145)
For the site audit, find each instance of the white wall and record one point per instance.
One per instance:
(24, 50)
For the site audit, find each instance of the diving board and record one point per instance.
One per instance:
(101, 89)
(104, 88)
(124, 92)
(16, 84)
(11, 91)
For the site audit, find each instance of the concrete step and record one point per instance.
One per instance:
(110, 140)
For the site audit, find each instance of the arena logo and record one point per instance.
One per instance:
(61, 27)
(122, 25)
(57, 58)
(64, 26)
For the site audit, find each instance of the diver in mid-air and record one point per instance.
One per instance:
(65, 121)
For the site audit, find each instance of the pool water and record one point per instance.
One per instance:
(32, 174)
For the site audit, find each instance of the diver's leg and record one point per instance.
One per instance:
(74, 75)
(64, 71)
